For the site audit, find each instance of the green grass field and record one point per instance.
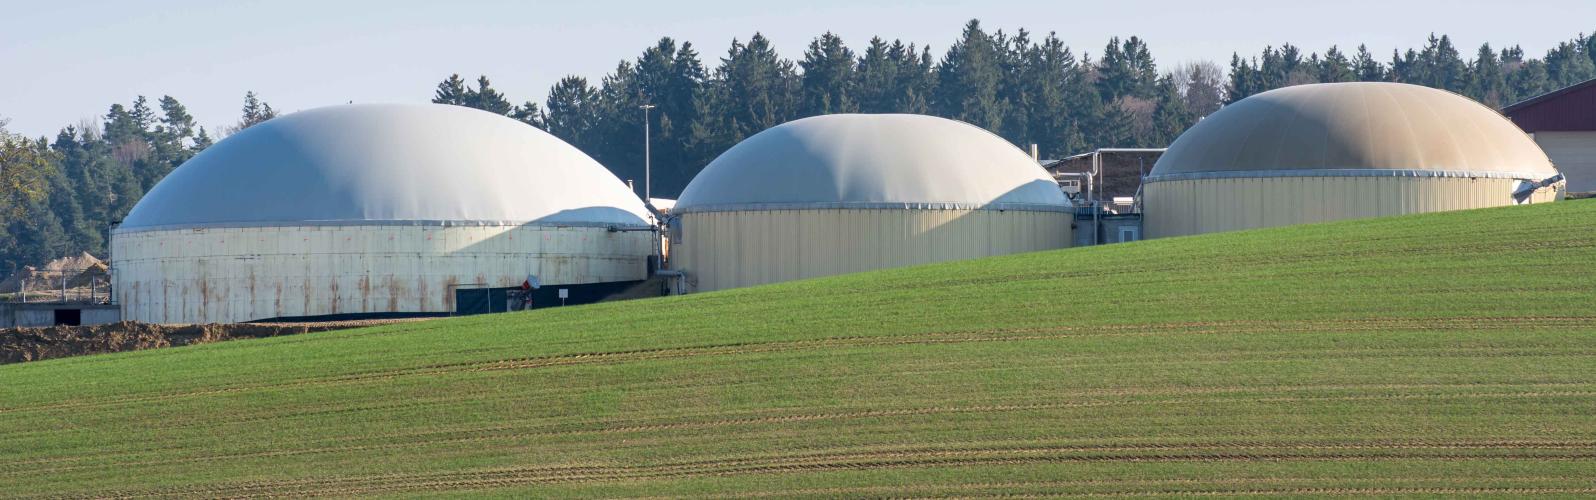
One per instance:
(1430, 354)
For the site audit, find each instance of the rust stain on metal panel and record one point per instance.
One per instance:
(449, 286)
(334, 289)
(421, 294)
(365, 293)
(307, 287)
(204, 293)
(393, 294)
(277, 303)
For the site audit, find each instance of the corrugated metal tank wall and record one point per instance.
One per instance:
(226, 275)
(719, 250)
(1196, 206)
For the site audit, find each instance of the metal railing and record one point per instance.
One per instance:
(58, 287)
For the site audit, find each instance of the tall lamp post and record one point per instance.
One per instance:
(648, 194)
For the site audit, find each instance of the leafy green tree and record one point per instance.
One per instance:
(24, 173)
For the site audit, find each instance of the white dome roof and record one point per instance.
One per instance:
(388, 164)
(1355, 128)
(872, 161)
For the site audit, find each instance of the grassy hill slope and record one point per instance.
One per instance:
(1441, 353)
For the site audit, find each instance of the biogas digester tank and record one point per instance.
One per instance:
(371, 209)
(1322, 152)
(845, 193)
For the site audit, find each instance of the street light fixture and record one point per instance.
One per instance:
(648, 193)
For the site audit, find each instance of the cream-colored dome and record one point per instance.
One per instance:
(1354, 128)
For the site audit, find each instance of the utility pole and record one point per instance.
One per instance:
(648, 171)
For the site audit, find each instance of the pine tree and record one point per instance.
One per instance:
(1568, 64)
(1368, 68)
(1440, 66)
(917, 79)
(451, 91)
(1050, 77)
(757, 87)
(1335, 67)
(1528, 79)
(828, 77)
(485, 98)
(1170, 117)
(967, 80)
(573, 111)
(1014, 95)
(876, 79)
(1406, 68)
(255, 111)
(530, 114)
(1486, 82)
(202, 140)
(1245, 79)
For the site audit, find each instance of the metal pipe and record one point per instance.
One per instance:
(678, 277)
(648, 193)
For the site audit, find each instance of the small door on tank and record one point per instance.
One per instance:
(1129, 233)
(68, 317)
(481, 300)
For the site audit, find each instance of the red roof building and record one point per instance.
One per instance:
(1563, 123)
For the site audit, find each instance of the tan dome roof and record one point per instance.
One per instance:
(1354, 128)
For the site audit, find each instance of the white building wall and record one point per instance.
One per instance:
(1574, 154)
(719, 250)
(222, 275)
(1196, 206)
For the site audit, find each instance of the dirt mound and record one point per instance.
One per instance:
(33, 344)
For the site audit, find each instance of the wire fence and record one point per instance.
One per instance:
(75, 286)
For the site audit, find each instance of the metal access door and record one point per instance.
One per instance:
(1129, 233)
(481, 300)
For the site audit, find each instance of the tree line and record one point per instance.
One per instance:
(59, 197)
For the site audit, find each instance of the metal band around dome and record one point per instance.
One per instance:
(741, 207)
(384, 223)
(1342, 172)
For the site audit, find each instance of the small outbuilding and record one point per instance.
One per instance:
(846, 193)
(1323, 152)
(1563, 123)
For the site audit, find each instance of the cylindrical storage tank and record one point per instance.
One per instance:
(372, 209)
(845, 193)
(1323, 152)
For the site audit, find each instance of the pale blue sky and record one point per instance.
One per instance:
(63, 61)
